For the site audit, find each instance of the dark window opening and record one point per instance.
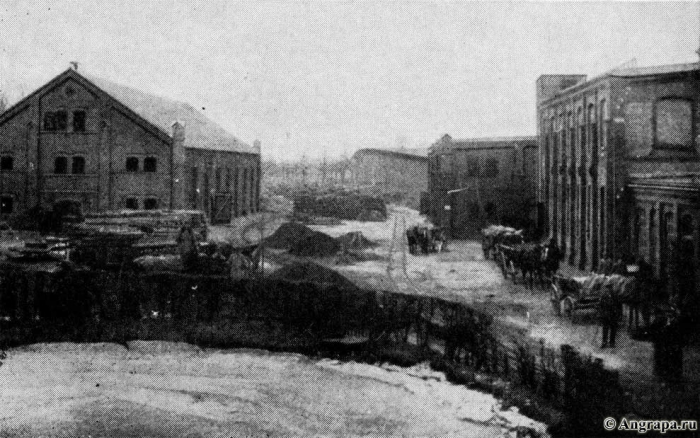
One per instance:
(490, 169)
(7, 162)
(78, 165)
(150, 204)
(132, 164)
(49, 121)
(79, 118)
(60, 165)
(6, 205)
(472, 167)
(132, 203)
(61, 120)
(149, 164)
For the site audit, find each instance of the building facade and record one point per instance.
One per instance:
(107, 147)
(476, 182)
(397, 175)
(619, 155)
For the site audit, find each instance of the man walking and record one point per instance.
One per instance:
(610, 311)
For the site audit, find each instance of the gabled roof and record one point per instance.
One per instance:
(161, 113)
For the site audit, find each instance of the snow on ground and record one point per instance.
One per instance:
(162, 389)
(462, 274)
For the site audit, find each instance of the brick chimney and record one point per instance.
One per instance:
(178, 182)
(256, 146)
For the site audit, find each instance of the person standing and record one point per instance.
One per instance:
(187, 244)
(610, 311)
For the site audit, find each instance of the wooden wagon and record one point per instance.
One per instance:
(568, 295)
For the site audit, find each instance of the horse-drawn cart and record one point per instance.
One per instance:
(572, 294)
(568, 295)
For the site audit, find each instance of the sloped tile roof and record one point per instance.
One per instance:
(200, 132)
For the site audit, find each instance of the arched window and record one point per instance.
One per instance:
(78, 165)
(60, 165)
(132, 164)
(150, 164)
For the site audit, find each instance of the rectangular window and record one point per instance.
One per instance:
(490, 169)
(55, 121)
(149, 164)
(7, 162)
(6, 205)
(61, 120)
(150, 204)
(60, 165)
(49, 121)
(79, 118)
(132, 203)
(132, 164)
(78, 165)
(195, 177)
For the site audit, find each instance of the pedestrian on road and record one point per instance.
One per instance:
(610, 310)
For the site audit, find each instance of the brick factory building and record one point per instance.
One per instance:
(108, 147)
(397, 175)
(475, 182)
(620, 166)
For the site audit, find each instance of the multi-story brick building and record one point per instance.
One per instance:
(107, 146)
(619, 161)
(474, 182)
(398, 175)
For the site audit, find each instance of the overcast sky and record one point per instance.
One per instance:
(309, 77)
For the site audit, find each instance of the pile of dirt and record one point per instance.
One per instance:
(303, 241)
(316, 244)
(355, 240)
(288, 234)
(313, 273)
(340, 204)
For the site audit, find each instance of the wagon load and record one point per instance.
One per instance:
(578, 293)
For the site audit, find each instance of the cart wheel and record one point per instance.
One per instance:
(568, 305)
